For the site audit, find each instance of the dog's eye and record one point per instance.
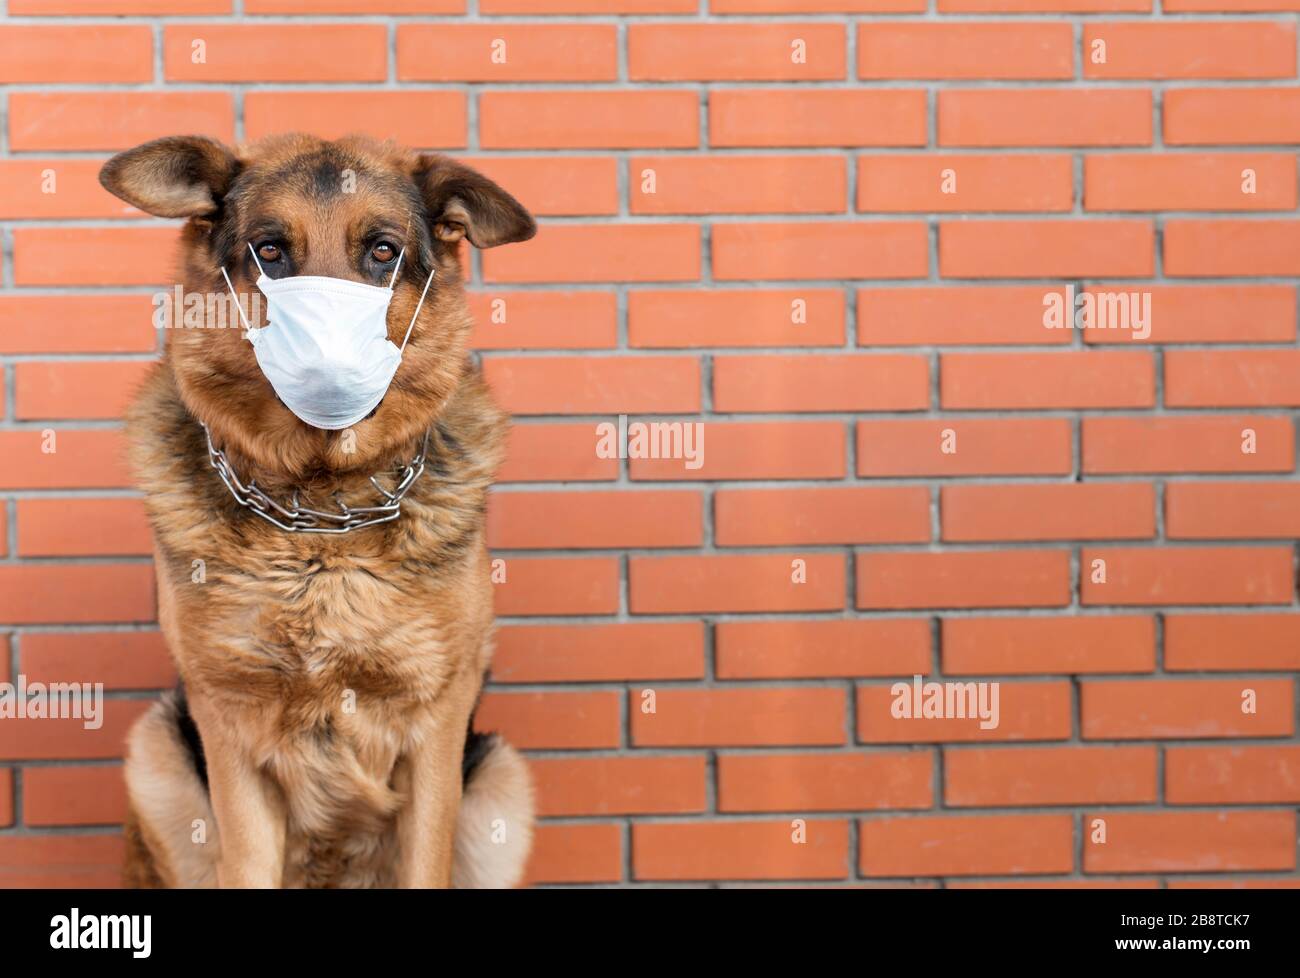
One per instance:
(268, 252)
(383, 252)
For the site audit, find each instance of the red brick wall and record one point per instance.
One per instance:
(777, 181)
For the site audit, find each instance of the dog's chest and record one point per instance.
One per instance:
(307, 640)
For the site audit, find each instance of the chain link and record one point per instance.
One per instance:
(301, 519)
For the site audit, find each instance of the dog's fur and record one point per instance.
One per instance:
(320, 737)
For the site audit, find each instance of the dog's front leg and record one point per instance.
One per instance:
(248, 808)
(430, 776)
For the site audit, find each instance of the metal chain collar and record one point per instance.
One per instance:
(300, 519)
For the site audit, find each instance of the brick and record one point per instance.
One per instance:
(938, 183)
(1174, 708)
(1205, 443)
(556, 185)
(1231, 116)
(786, 517)
(1182, 842)
(798, 715)
(38, 593)
(767, 582)
(414, 118)
(827, 250)
(105, 7)
(77, 389)
(1074, 645)
(595, 385)
(588, 120)
(42, 739)
(99, 323)
(354, 6)
(1010, 777)
(512, 320)
(557, 586)
(1038, 883)
(120, 660)
(109, 53)
(276, 52)
(82, 527)
(817, 117)
(1232, 775)
(946, 845)
(601, 520)
(821, 382)
(815, 6)
(535, 7)
(507, 52)
(737, 185)
(1043, 6)
(1046, 249)
(78, 795)
(777, 51)
(1207, 314)
(600, 253)
(740, 850)
(824, 782)
(1092, 379)
(619, 785)
(95, 256)
(1044, 117)
(963, 579)
(822, 648)
(1197, 247)
(57, 188)
(1188, 575)
(61, 861)
(1026, 711)
(599, 653)
(758, 450)
(586, 852)
(1228, 643)
(965, 51)
(1217, 6)
(1189, 182)
(555, 453)
(34, 458)
(1066, 511)
(553, 720)
(1232, 378)
(965, 446)
(734, 318)
(1207, 49)
(79, 121)
(1236, 883)
(1232, 510)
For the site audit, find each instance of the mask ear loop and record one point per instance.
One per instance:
(396, 268)
(260, 269)
(235, 298)
(418, 307)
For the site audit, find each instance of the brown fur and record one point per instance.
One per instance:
(281, 633)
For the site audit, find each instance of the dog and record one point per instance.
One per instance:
(322, 732)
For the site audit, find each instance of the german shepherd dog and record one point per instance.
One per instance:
(322, 733)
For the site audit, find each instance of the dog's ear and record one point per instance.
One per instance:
(179, 176)
(463, 203)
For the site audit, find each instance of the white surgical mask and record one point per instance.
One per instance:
(325, 348)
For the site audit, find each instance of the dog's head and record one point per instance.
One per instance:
(343, 209)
